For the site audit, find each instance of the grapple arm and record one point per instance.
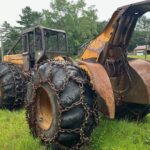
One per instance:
(108, 51)
(114, 39)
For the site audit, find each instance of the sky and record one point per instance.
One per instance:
(10, 9)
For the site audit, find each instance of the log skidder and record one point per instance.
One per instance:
(61, 109)
(12, 86)
(61, 106)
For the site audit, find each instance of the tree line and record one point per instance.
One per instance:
(79, 21)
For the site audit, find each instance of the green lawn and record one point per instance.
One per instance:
(109, 135)
(140, 57)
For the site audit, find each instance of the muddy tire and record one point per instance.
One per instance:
(132, 111)
(12, 86)
(61, 108)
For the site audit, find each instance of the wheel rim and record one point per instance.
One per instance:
(44, 115)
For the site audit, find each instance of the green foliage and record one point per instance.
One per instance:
(101, 26)
(109, 135)
(11, 36)
(78, 21)
(141, 35)
(143, 24)
(137, 39)
(140, 57)
(29, 18)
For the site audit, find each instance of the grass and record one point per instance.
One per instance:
(109, 135)
(14, 132)
(140, 57)
(121, 135)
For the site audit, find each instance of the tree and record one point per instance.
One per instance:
(136, 40)
(141, 35)
(10, 37)
(143, 24)
(29, 18)
(79, 22)
(101, 25)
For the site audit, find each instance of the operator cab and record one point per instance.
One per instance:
(39, 43)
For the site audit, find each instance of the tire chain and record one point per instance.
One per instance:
(32, 122)
(17, 75)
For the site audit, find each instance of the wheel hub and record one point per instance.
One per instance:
(44, 114)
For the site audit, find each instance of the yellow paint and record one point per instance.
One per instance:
(92, 50)
(84, 67)
(18, 59)
(58, 58)
(15, 59)
(89, 54)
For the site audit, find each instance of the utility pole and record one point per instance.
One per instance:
(146, 48)
(147, 45)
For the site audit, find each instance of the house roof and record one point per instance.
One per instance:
(142, 47)
(42, 27)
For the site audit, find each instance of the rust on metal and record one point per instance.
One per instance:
(140, 82)
(117, 33)
(44, 111)
(130, 83)
(102, 85)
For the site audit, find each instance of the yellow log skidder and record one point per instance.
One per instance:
(63, 97)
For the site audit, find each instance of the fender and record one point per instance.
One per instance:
(102, 85)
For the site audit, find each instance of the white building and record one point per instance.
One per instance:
(142, 49)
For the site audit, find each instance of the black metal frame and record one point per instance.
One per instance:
(43, 50)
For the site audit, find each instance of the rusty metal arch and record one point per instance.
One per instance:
(108, 50)
(113, 35)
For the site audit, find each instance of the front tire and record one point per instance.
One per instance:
(62, 109)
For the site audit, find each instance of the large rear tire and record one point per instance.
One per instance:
(12, 86)
(61, 107)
